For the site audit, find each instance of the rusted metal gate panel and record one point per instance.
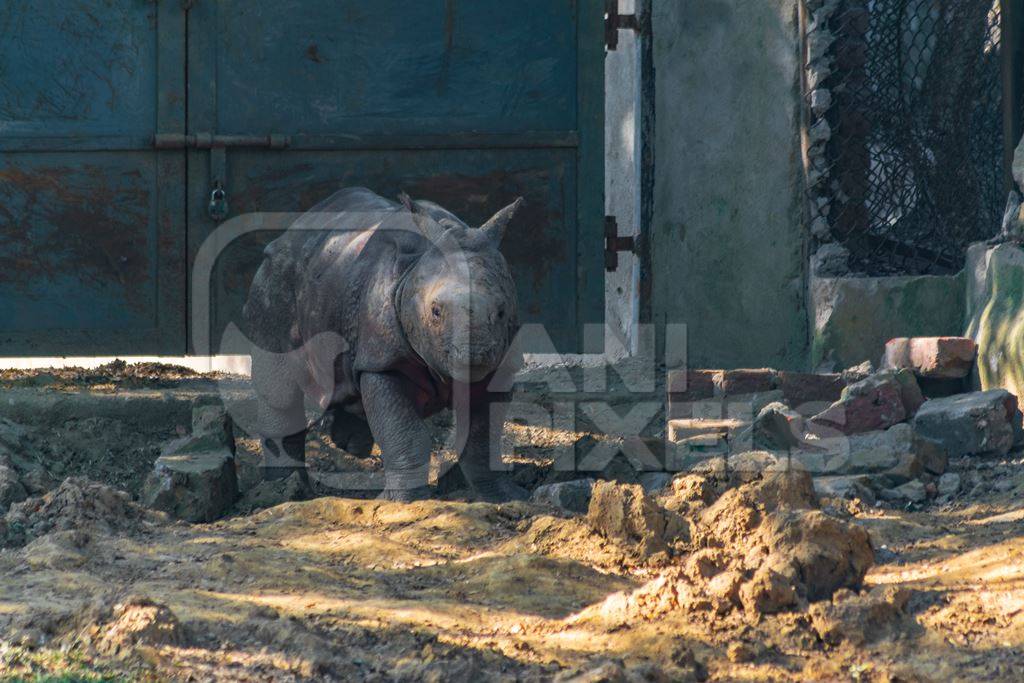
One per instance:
(465, 103)
(92, 223)
(105, 187)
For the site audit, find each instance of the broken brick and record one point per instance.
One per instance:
(933, 357)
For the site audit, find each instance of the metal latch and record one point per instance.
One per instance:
(218, 208)
(614, 22)
(614, 243)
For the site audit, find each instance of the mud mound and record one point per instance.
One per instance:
(625, 513)
(738, 511)
(76, 505)
(670, 591)
(770, 532)
(137, 621)
(760, 547)
(860, 619)
(817, 554)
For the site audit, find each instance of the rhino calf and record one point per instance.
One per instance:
(381, 312)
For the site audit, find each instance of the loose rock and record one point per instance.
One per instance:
(864, 453)
(846, 487)
(193, 486)
(969, 424)
(874, 403)
(949, 484)
(211, 419)
(573, 496)
(11, 488)
(913, 491)
(777, 427)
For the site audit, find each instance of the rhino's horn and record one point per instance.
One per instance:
(495, 227)
(431, 230)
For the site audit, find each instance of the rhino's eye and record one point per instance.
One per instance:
(501, 314)
(435, 310)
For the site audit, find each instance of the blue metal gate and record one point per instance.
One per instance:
(92, 216)
(106, 174)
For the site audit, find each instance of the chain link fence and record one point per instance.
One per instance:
(905, 161)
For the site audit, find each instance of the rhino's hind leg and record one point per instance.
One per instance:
(351, 433)
(403, 437)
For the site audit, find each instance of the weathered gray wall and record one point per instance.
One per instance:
(727, 245)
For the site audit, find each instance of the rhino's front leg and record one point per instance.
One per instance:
(403, 437)
(486, 424)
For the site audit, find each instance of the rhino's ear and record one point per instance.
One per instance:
(495, 227)
(431, 230)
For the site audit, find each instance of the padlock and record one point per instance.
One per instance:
(218, 207)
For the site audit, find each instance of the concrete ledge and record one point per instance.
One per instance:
(853, 317)
(147, 409)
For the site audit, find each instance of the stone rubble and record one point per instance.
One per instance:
(11, 488)
(192, 486)
(194, 479)
(880, 440)
(777, 427)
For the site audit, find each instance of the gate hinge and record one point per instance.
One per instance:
(614, 243)
(614, 22)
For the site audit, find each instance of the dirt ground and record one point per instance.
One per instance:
(95, 587)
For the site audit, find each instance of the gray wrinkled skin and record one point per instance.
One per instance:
(378, 311)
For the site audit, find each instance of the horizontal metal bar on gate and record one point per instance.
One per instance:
(469, 140)
(122, 143)
(209, 141)
(70, 143)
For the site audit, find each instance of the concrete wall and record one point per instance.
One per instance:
(727, 240)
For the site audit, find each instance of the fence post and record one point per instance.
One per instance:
(1010, 39)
